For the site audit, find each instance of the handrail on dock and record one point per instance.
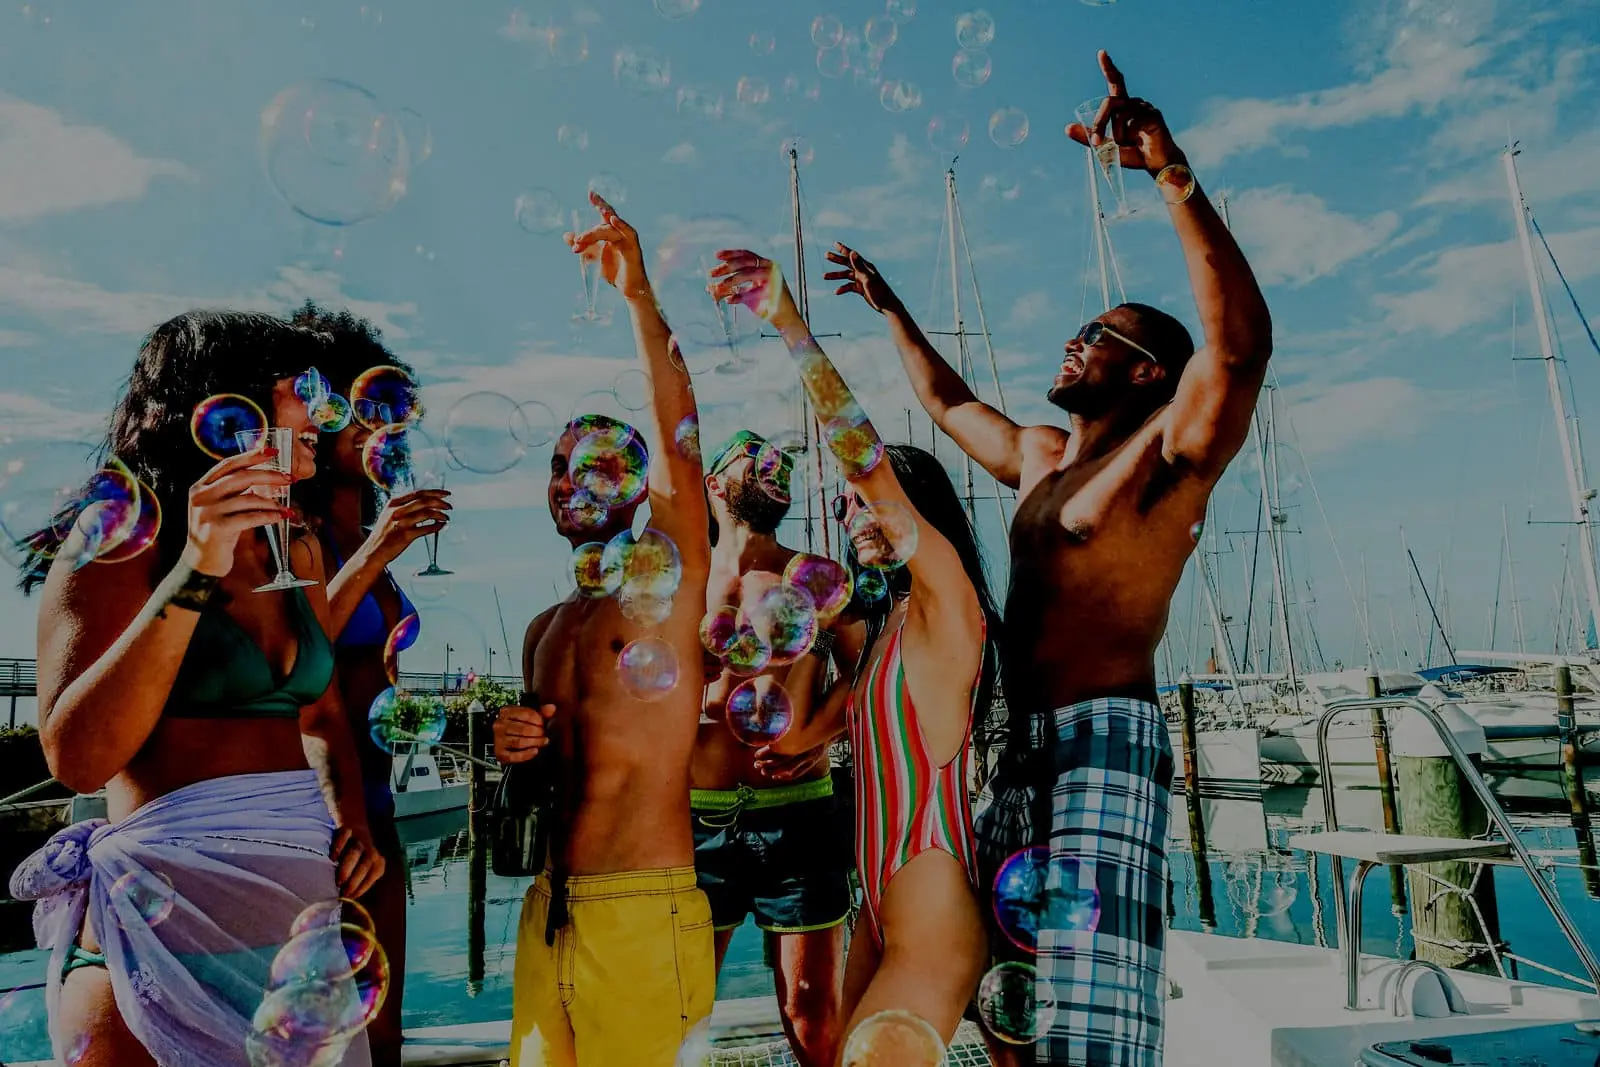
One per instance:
(1479, 788)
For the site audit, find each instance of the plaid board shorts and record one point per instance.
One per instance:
(1113, 767)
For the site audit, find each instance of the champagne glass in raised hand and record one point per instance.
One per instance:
(280, 439)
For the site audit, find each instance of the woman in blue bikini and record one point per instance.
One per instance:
(364, 605)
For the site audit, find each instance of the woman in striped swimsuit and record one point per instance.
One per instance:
(919, 945)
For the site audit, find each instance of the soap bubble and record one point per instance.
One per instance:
(758, 712)
(999, 187)
(1009, 1006)
(1195, 530)
(644, 609)
(402, 637)
(677, 9)
(611, 465)
(798, 88)
(801, 147)
(1034, 891)
(609, 188)
(585, 512)
(218, 420)
(418, 135)
(569, 46)
(947, 134)
(871, 586)
(785, 617)
(398, 716)
(332, 415)
(644, 565)
(631, 389)
(832, 62)
(825, 581)
(333, 152)
(642, 70)
(753, 92)
(1008, 127)
(130, 540)
(902, 11)
(304, 1024)
(826, 31)
(898, 96)
(142, 897)
(687, 438)
(311, 387)
(719, 630)
(385, 396)
(854, 442)
(333, 913)
(880, 32)
(648, 669)
(706, 103)
(386, 457)
(485, 432)
(975, 29)
(749, 655)
(573, 137)
(323, 953)
(893, 1039)
(762, 44)
(541, 423)
(538, 211)
(883, 535)
(971, 67)
(586, 571)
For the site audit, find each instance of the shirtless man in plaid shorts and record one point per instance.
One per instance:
(1108, 515)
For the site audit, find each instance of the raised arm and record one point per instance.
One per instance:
(403, 520)
(112, 636)
(1210, 414)
(677, 492)
(944, 603)
(982, 431)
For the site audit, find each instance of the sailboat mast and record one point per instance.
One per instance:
(808, 421)
(1275, 539)
(1575, 487)
(1099, 229)
(964, 368)
(1511, 576)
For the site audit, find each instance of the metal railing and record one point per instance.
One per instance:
(19, 677)
(1480, 789)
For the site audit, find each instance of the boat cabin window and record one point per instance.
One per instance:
(419, 772)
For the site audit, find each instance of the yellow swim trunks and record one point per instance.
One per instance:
(629, 974)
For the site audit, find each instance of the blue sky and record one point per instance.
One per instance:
(1358, 142)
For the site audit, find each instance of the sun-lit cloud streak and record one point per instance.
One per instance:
(50, 165)
(1294, 238)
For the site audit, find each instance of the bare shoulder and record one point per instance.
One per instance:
(539, 627)
(1042, 447)
(83, 610)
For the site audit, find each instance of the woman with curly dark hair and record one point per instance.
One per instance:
(205, 710)
(362, 537)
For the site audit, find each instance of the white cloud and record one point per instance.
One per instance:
(1330, 418)
(49, 165)
(1564, 168)
(1295, 238)
(32, 417)
(1030, 309)
(1428, 55)
(1471, 285)
(682, 152)
(16, 339)
(84, 306)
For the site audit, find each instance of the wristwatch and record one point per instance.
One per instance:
(1176, 183)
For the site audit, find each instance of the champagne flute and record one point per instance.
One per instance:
(281, 440)
(589, 273)
(1107, 153)
(425, 471)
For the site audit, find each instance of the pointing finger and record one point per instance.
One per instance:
(1117, 85)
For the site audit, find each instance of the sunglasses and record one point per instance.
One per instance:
(841, 505)
(1095, 332)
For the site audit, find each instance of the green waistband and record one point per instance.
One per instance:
(747, 798)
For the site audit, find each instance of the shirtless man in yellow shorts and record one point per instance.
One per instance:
(615, 961)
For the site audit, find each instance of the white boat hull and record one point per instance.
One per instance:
(411, 805)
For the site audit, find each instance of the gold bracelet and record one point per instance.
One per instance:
(1163, 184)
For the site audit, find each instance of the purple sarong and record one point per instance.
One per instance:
(243, 856)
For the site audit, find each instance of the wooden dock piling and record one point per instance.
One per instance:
(477, 850)
(1391, 813)
(1197, 817)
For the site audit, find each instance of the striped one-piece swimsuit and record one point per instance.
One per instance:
(905, 803)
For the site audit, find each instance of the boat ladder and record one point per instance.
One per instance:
(1371, 850)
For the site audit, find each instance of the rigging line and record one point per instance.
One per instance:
(1338, 556)
(1088, 259)
(1111, 254)
(1595, 343)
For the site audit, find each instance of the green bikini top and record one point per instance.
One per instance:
(225, 675)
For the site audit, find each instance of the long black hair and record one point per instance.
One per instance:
(354, 347)
(927, 484)
(182, 362)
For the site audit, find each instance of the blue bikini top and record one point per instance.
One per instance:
(367, 627)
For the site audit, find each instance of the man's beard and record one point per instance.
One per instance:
(753, 507)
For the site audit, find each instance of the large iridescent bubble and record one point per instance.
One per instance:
(333, 152)
(883, 535)
(1034, 890)
(758, 712)
(786, 618)
(612, 465)
(217, 421)
(1009, 1007)
(398, 716)
(648, 669)
(893, 1039)
(385, 396)
(825, 581)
